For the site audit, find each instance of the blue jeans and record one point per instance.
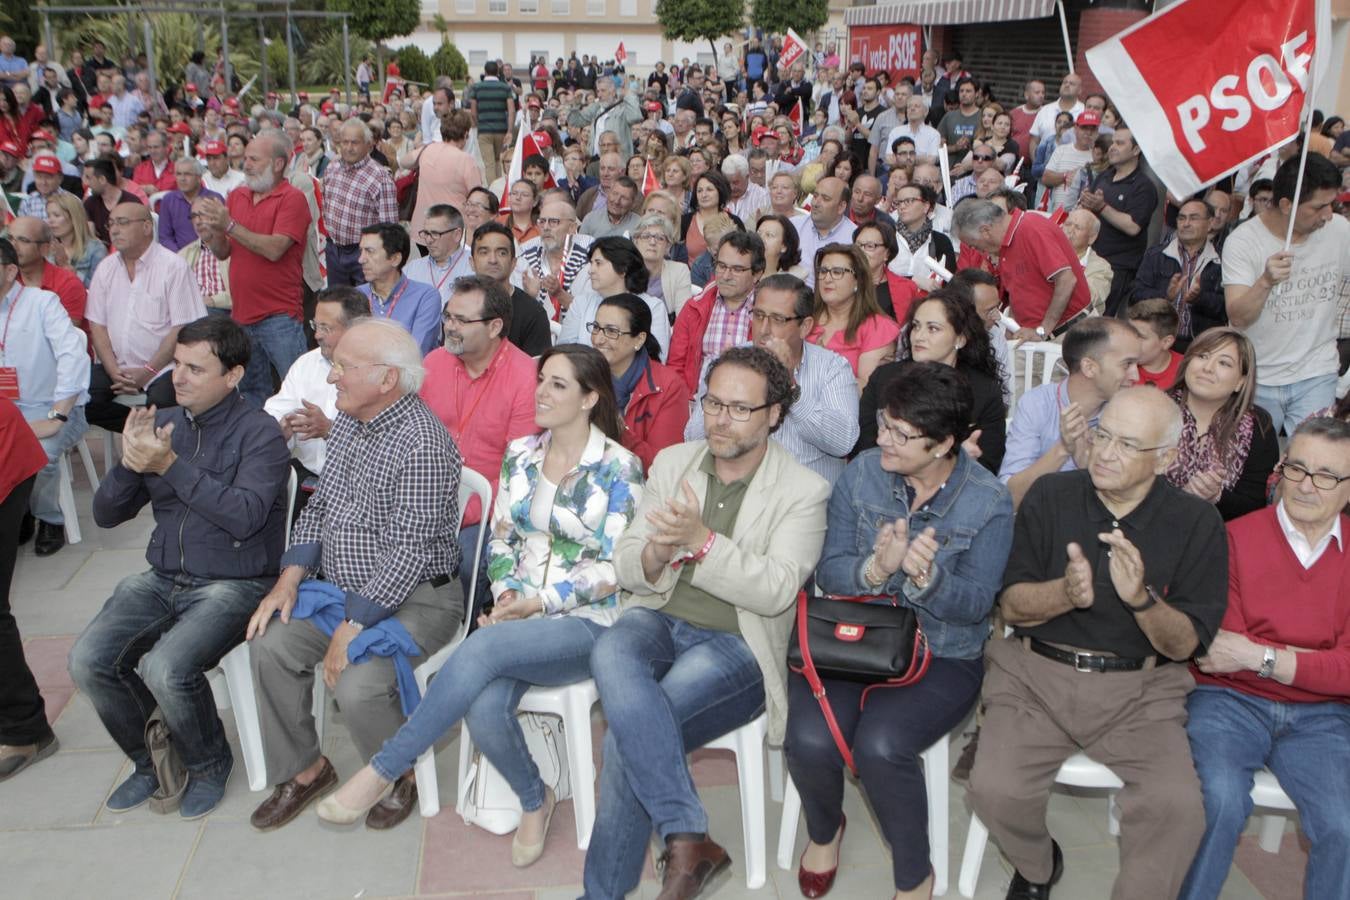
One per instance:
(344, 265)
(46, 501)
(482, 682)
(278, 341)
(668, 687)
(1290, 404)
(1306, 745)
(886, 737)
(152, 645)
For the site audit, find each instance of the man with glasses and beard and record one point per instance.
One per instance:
(262, 232)
(552, 268)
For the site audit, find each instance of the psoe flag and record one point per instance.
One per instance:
(1209, 85)
(793, 48)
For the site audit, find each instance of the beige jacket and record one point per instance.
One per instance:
(779, 533)
(675, 285)
(1098, 273)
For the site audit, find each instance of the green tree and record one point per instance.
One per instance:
(413, 64)
(700, 20)
(447, 60)
(382, 20)
(777, 16)
(321, 62)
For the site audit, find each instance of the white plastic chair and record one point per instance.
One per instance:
(938, 785)
(66, 489)
(747, 743)
(1048, 353)
(1080, 771)
(232, 683)
(111, 455)
(572, 703)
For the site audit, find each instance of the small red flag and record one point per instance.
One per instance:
(649, 180)
(795, 115)
(620, 54)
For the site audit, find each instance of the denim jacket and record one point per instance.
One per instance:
(972, 515)
(571, 566)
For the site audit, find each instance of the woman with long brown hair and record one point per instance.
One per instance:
(1228, 447)
(848, 319)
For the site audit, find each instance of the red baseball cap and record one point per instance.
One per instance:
(761, 133)
(11, 148)
(326, 107)
(46, 165)
(653, 106)
(43, 134)
(180, 128)
(232, 101)
(542, 140)
(213, 148)
(190, 87)
(1089, 118)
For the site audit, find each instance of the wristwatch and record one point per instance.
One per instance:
(58, 416)
(355, 624)
(1150, 601)
(1041, 332)
(1267, 669)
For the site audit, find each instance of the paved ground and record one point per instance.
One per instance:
(57, 841)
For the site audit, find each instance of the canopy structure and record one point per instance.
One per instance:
(948, 12)
(223, 9)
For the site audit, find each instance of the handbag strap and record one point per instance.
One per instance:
(818, 688)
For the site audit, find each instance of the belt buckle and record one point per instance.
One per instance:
(1078, 662)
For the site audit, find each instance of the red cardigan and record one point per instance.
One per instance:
(1274, 601)
(686, 339)
(656, 414)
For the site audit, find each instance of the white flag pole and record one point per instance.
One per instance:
(1305, 124)
(1064, 30)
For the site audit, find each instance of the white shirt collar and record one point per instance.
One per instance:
(1307, 554)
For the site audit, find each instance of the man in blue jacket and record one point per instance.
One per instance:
(214, 471)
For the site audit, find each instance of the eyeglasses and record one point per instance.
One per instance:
(460, 321)
(898, 437)
(322, 327)
(481, 206)
(739, 412)
(981, 157)
(870, 246)
(1101, 439)
(427, 234)
(339, 369)
(652, 237)
(123, 223)
(833, 272)
(734, 270)
(613, 332)
(1323, 481)
(759, 316)
(552, 221)
(906, 201)
(27, 240)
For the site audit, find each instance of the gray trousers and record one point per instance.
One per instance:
(284, 662)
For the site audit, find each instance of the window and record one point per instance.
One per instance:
(497, 7)
(529, 7)
(595, 7)
(466, 7)
(628, 7)
(477, 59)
(561, 7)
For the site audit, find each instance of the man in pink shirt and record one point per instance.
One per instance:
(138, 299)
(481, 386)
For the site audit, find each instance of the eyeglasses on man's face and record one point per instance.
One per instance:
(1101, 439)
(759, 317)
(739, 412)
(1323, 481)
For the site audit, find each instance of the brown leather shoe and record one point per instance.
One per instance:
(290, 798)
(392, 810)
(688, 866)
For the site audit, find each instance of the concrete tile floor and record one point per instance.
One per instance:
(56, 840)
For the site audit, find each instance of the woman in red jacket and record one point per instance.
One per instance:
(654, 399)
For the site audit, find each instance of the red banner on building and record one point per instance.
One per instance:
(898, 49)
(1207, 85)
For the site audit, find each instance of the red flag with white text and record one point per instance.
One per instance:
(1209, 85)
(795, 116)
(793, 49)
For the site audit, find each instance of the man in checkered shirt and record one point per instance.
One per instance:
(380, 532)
(357, 191)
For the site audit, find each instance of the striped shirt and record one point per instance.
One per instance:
(491, 96)
(355, 196)
(727, 327)
(383, 519)
(822, 425)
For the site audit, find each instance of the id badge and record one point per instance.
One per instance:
(9, 383)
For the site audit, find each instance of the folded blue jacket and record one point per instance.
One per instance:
(324, 604)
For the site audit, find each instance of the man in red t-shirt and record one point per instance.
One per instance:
(1037, 268)
(1024, 116)
(262, 232)
(155, 172)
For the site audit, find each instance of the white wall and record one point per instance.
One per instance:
(527, 42)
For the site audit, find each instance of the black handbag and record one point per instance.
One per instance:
(852, 639)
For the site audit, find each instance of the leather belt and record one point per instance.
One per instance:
(1089, 662)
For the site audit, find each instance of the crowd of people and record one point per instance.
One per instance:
(706, 354)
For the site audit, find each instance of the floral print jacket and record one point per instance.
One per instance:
(571, 565)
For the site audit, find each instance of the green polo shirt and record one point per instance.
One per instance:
(721, 506)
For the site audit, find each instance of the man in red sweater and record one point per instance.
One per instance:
(1273, 690)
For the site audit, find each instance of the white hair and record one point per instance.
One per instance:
(395, 347)
(735, 165)
(366, 134)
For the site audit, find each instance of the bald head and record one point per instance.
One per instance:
(1081, 228)
(31, 238)
(831, 200)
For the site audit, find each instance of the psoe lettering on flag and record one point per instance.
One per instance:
(1209, 85)
(793, 48)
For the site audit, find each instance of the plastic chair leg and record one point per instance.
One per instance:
(581, 759)
(787, 829)
(749, 750)
(1272, 833)
(87, 459)
(239, 679)
(936, 782)
(67, 500)
(977, 838)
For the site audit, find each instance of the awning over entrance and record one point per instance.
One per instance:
(948, 12)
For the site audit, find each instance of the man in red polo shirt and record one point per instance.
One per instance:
(32, 239)
(262, 232)
(1037, 267)
(155, 173)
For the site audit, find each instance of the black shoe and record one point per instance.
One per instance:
(1021, 889)
(50, 538)
(27, 528)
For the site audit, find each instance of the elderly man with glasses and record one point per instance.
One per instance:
(447, 257)
(552, 267)
(1114, 581)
